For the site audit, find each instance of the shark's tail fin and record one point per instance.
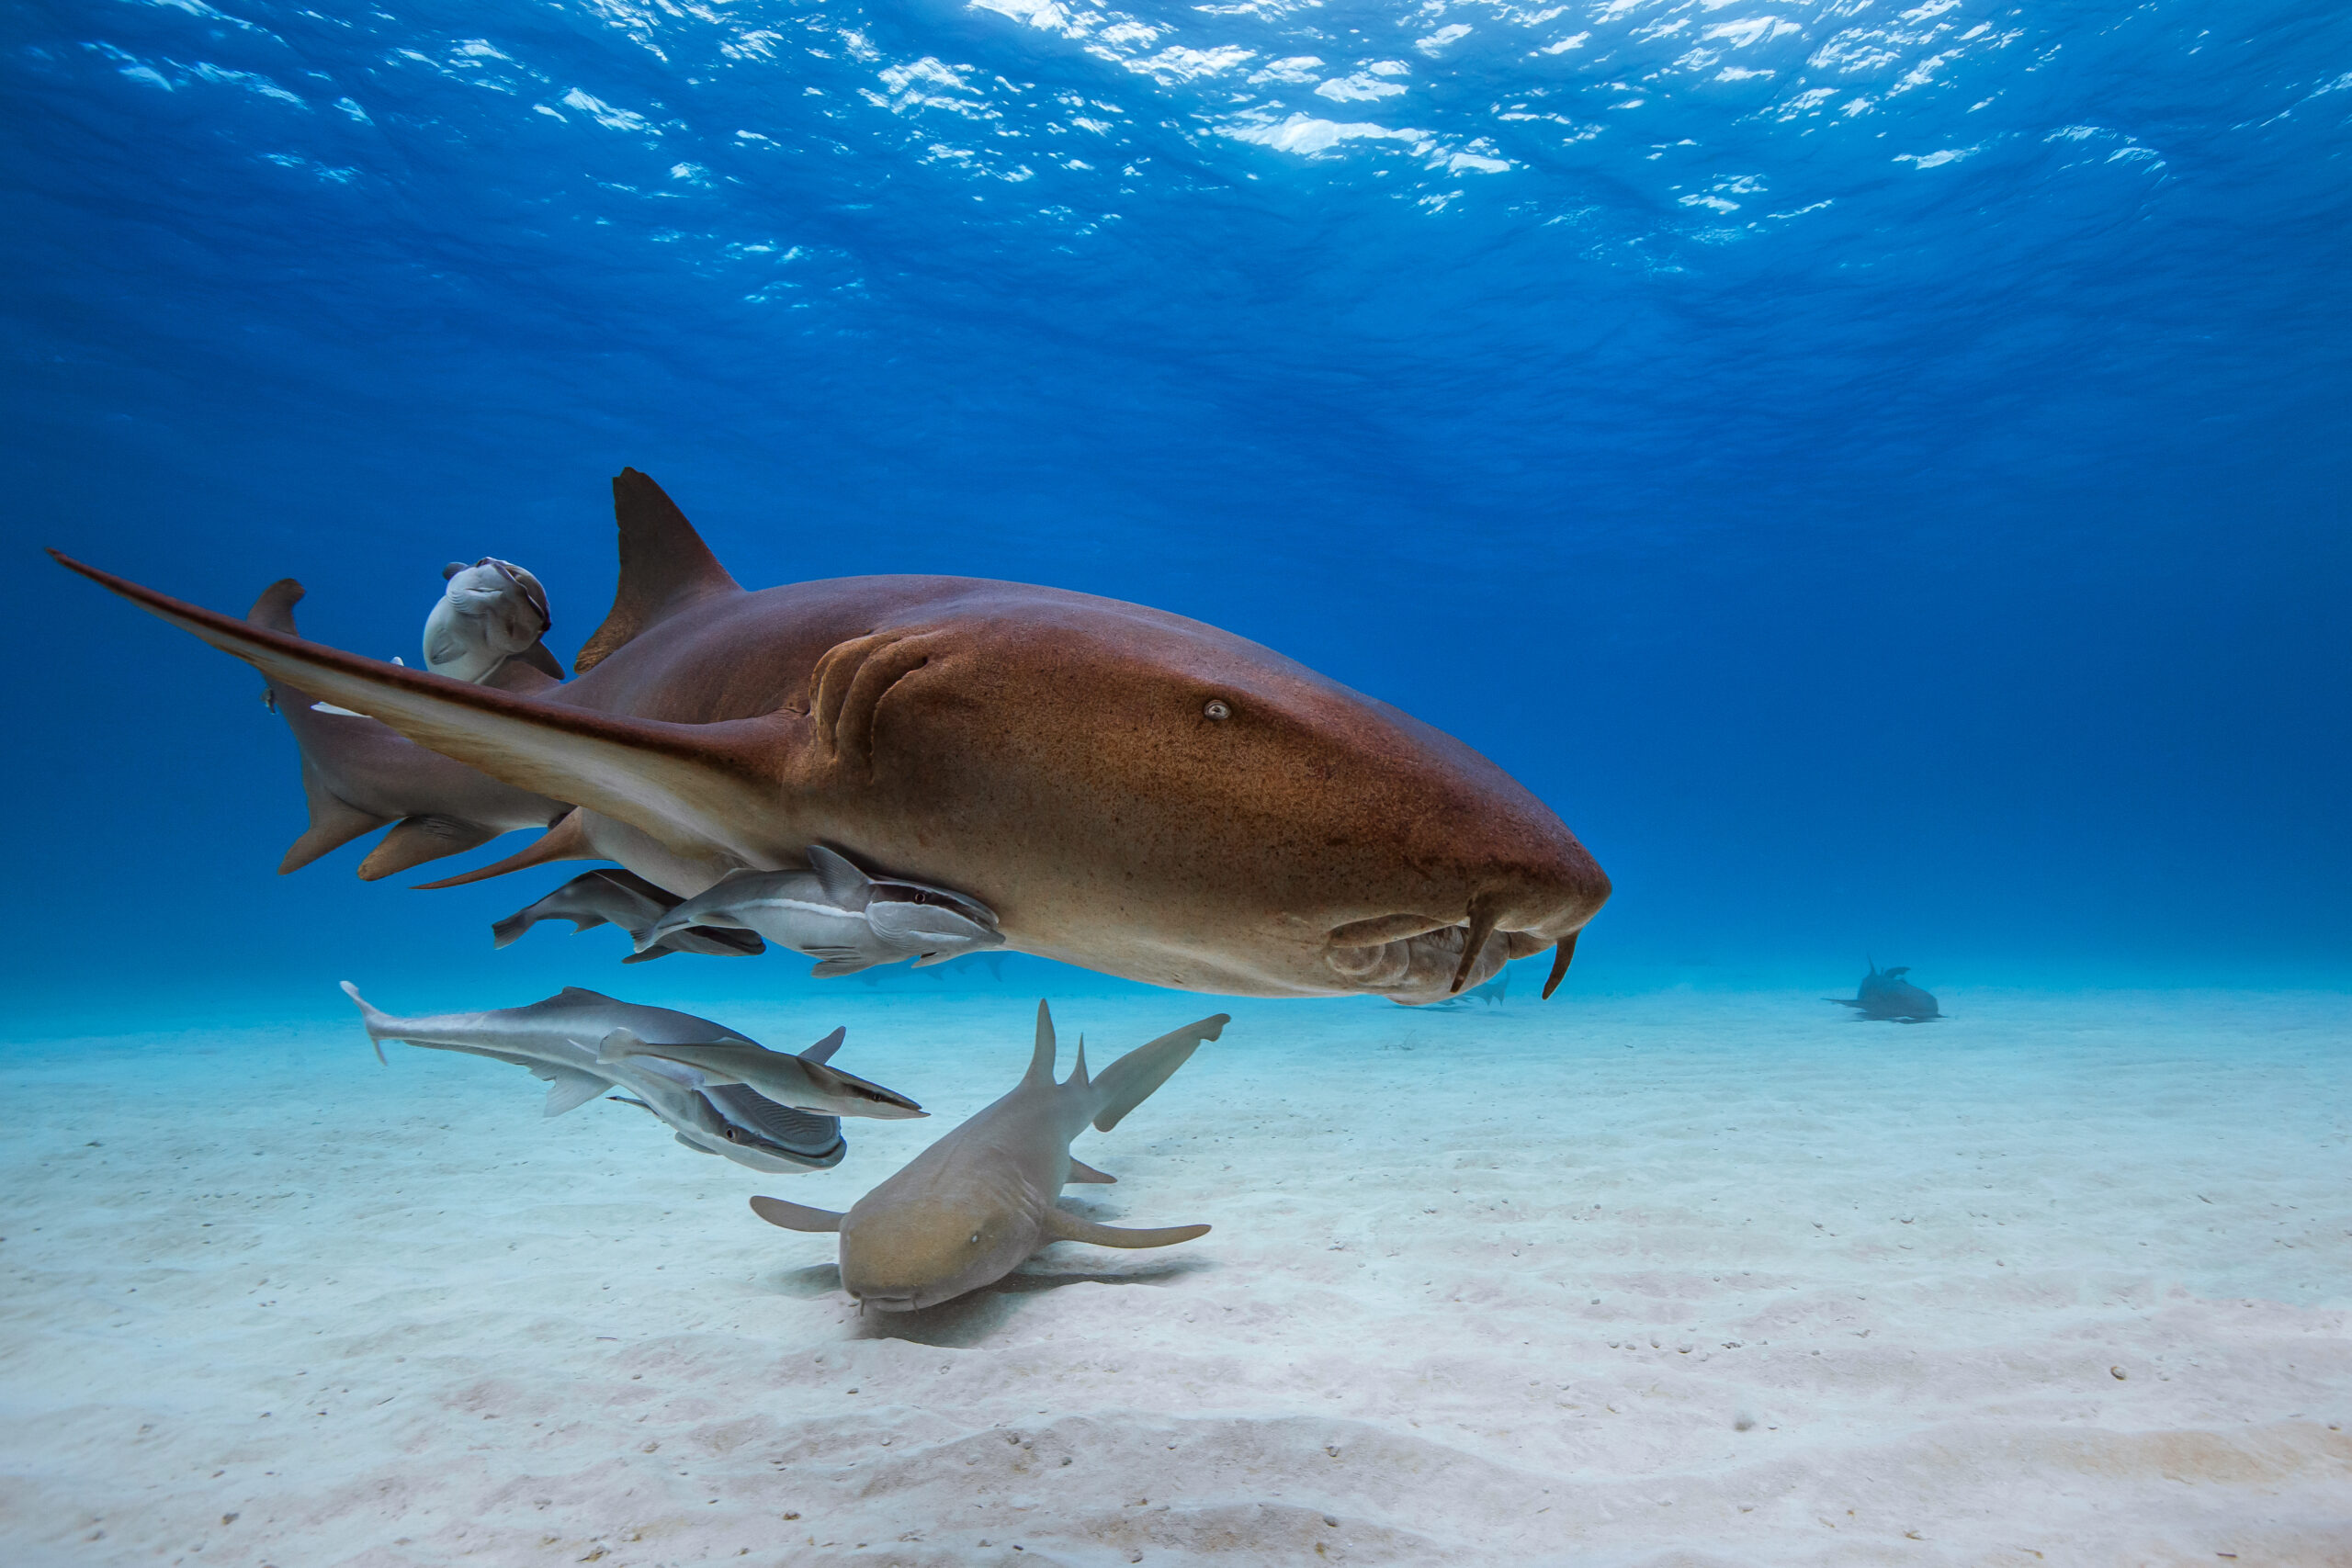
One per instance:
(1129, 1081)
(378, 1025)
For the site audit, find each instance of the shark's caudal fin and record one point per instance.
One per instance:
(796, 1216)
(693, 787)
(377, 1024)
(664, 566)
(1062, 1226)
(1129, 1081)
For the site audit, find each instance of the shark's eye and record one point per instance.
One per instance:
(1219, 709)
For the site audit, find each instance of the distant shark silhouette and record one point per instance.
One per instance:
(1127, 790)
(1887, 995)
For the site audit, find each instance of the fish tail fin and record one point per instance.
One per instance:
(376, 1024)
(664, 567)
(334, 822)
(1129, 1081)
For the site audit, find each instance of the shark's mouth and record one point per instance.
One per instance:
(1416, 960)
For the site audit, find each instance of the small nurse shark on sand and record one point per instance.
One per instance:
(626, 899)
(836, 913)
(974, 1206)
(584, 1045)
(1886, 995)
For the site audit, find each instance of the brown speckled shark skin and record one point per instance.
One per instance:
(1128, 790)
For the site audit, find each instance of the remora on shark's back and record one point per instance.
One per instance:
(584, 1044)
(1127, 790)
(974, 1206)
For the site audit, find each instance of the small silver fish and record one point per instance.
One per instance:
(559, 1039)
(629, 901)
(838, 915)
(804, 1081)
(491, 612)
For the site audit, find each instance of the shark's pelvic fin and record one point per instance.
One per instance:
(693, 787)
(1129, 1081)
(1082, 1171)
(796, 1216)
(664, 566)
(1063, 1225)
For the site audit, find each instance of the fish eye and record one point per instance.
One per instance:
(1219, 709)
(976, 1238)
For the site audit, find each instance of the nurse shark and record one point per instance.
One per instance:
(1125, 789)
(976, 1204)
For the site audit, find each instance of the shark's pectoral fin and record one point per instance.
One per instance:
(421, 838)
(796, 1216)
(1082, 1171)
(1061, 1225)
(696, 788)
(837, 960)
(334, 822)
(568, 1090)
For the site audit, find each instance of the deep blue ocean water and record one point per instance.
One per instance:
(1880, 474)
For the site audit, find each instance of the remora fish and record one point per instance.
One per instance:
(1885, 995)
(975, 1205)
(491, 612)
(1127, 790)
(358, 774)
(558, 1039)
(627, 900)
(837, 914)
(804, 1080)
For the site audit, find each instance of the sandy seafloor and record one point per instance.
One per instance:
(1677, 1280)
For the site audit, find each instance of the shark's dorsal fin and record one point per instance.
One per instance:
(1078, 1072)
(824, 1050)
(664, 567)
(796, 1216)
(1063, 1225)
(696, 788)
(1129, 1081)
(1041, 1058)
(275, 608)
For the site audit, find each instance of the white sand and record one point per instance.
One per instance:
(1685, 1280)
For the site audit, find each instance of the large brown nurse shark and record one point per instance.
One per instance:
(974, 1206)
(1125, 789)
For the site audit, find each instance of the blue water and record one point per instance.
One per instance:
(1881, 475)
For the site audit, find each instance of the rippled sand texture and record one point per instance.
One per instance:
(1684, 1279)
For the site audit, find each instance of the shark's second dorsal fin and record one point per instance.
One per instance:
(664, 566)
(1041, 1059)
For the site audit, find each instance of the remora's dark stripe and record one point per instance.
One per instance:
(802, 1133)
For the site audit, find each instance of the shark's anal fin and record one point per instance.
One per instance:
(796, 1216)
(1129, 1081)
(421, 838)
(1083, 1172)
(664, 566)
(564, 840)
(701, 790)
(1063, 1225)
